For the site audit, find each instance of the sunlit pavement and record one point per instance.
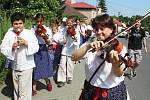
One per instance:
(138, 87)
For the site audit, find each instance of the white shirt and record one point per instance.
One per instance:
(25, 58)
(104, 78)
(62, 30)
(40, 39)
(71, 45)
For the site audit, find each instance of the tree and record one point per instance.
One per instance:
(50, 8)
(102, 5)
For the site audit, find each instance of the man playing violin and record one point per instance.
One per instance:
(104, 74)
(71, 42)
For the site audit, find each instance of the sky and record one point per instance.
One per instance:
(124, 7)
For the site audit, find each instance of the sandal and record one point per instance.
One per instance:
(49, 86)
(34, 92)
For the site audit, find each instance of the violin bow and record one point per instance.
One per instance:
(116, 35)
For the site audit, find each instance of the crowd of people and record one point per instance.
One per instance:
(51, 51)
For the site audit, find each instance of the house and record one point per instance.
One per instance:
(86, 9)
(71, 11)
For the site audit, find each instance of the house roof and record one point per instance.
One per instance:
(70, 10)
(117, 22)
(82, 5)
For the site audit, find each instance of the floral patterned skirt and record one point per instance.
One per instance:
(94, 93)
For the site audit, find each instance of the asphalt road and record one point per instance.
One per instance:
(138, 87)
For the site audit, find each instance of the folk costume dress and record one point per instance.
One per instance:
(43, 59)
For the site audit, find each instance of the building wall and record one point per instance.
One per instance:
(89, 13)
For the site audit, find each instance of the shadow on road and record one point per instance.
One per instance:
(8, 91)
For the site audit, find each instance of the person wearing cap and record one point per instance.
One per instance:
(81, 28)
(62, 27)
(89, 34)
(64, 19)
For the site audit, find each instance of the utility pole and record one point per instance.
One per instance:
(97, 8)
(119, 13)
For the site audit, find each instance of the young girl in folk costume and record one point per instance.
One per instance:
(43, 61)
(103, 68)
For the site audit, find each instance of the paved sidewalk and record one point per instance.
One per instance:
(67, 92)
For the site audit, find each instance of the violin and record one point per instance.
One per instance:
(117, 46)
(111, 42)
(107, 48)
(128, 62)
(41, 31)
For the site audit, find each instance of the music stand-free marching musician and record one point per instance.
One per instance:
(19, 45)
(104, 74)
(71, 42)
(43, 59)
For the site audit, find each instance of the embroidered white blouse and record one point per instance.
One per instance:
(25, 58)
(71, 45)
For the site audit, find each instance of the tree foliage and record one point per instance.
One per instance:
(50, 8)
(132, 20)
(102, 5)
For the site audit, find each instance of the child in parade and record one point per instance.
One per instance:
(43, 60)
(19, 45)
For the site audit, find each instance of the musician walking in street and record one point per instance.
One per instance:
(43, 58)
(19, 45)
(103, 68)
(72, 41)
